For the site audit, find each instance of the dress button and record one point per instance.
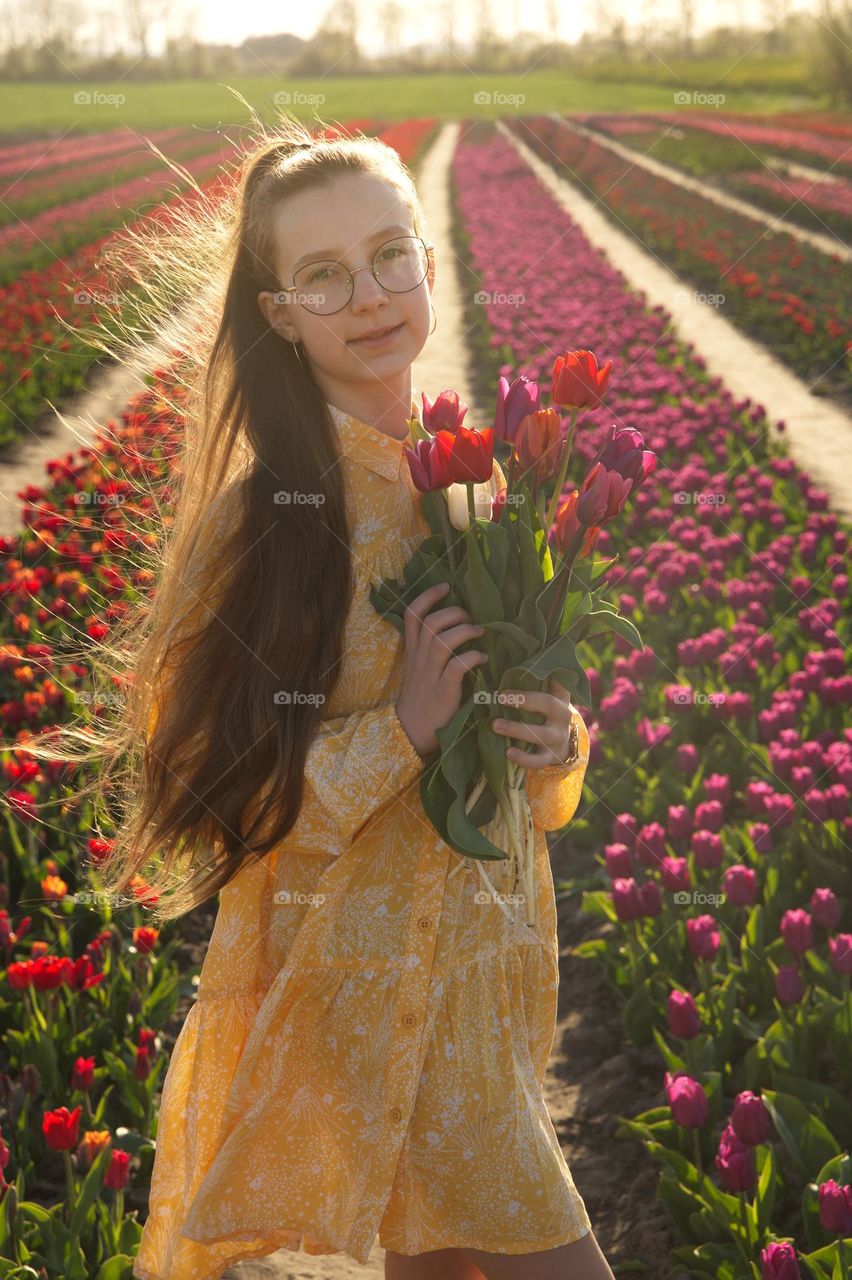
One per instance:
(395, 1113)
(424, 923)
(409, 1019)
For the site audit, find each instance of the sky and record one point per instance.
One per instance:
(223, 22)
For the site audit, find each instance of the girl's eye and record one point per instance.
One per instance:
(388, 253)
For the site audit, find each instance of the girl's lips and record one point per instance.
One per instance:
(384, 337)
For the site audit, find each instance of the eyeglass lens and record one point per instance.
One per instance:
(399, 265)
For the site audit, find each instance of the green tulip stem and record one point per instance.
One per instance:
(563, 467)
(72, 1190)
(449, 534)
(471, 504)
(697, 1149)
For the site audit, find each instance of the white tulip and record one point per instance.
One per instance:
(483, 502)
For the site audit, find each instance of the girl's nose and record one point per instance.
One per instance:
(365, 289)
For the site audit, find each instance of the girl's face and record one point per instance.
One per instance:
(347, 221)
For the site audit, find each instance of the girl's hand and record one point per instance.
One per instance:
(554, 735)
(432, 679)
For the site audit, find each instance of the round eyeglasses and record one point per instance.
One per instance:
(325, 286)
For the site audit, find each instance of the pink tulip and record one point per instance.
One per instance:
(446, 414)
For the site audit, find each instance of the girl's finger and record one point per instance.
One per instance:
(540, 735)
(532, 760)
(552, 708)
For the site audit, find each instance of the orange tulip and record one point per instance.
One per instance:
(539, 443)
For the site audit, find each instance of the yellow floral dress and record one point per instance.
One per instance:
(367, 1049)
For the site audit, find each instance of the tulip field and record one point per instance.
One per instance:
(716, 802)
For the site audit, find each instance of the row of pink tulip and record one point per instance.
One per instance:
(717, 796)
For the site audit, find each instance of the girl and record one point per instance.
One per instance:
(368, 1045)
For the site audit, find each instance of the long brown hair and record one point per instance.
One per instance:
(204, 763)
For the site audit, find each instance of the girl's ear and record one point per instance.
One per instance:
(272, 312)
(430, 275)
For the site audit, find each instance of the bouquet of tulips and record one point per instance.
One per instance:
(520, 565)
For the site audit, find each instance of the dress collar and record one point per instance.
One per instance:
(370, 447)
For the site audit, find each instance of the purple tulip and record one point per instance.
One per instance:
(682, 1015)
(446, 414)
(626, 899)
(840, 953)
(825, 908)
(788, 984)
(740, 885)
(835, 1208)
(687, 1100)
(735, 1162)
(778, 1261)
(750, 1119)
(514, 403)
(703, 937)
(796, 931)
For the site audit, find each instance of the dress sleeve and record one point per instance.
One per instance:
(554, 792)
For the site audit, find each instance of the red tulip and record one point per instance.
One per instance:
(118, 1171)
(578, 383)
(60, 1128)
(83, 1073)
